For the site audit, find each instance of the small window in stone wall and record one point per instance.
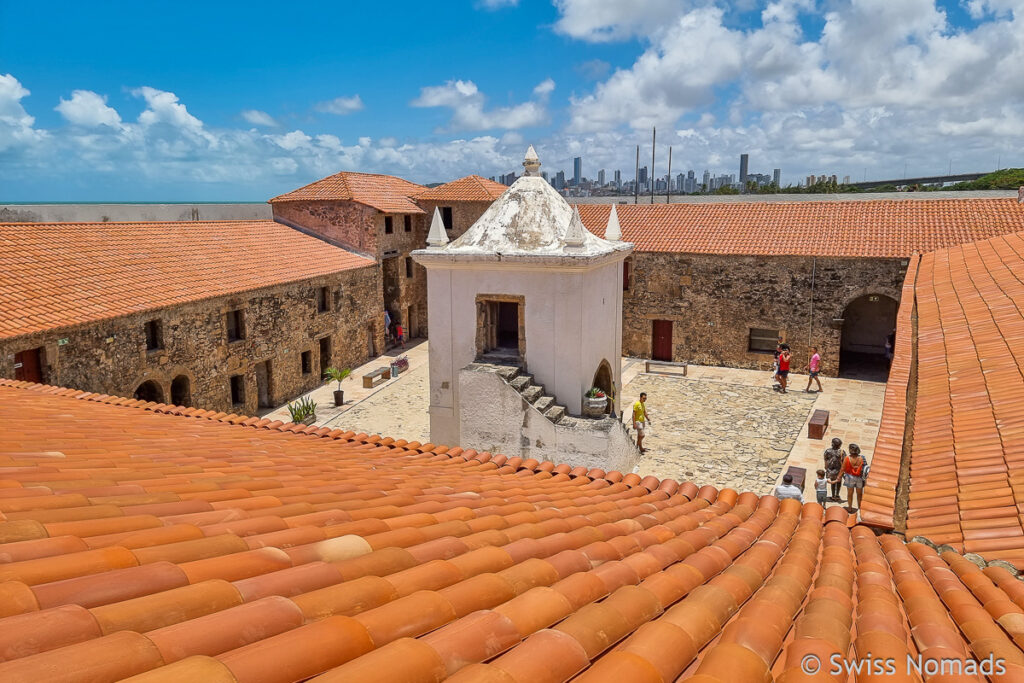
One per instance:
(446, 217)
(154, 335)
(323, 300)
(408, 223)
(763, 340)
(625, 274)
(389, 225)
(237, 389)
(236, 325)
(408, 266)
(307, 362)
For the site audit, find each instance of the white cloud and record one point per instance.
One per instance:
(601, 21)
(341, 105)
(163, 107)
(259, 118)
(496, 4)
(467, 105)
(16, 126)
(88, 109)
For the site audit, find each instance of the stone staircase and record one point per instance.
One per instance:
(531, 392)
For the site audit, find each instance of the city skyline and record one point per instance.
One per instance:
(106, 109)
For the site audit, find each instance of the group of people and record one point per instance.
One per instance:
(841, 469)
(393, 330)
(783, 360)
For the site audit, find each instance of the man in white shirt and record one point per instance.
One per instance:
(787, 490)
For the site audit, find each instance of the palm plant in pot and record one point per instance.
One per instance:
(337, 375)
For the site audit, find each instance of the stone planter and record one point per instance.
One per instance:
(339, 397)
(308, 420)
(595, 407)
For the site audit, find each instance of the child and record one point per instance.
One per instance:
(821, 487)
(400, 333)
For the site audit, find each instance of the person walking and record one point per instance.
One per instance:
(640, 420)
(782, 374)
(400, 333)
(854, 473)
(834, 458)
(787, 489)
(813, 368)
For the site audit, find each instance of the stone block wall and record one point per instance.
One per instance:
(347, 223)
(401, 292)
(464, 214)
(714, 301)
(280, 322)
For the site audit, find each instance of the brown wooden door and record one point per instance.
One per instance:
(28, 366)
(661, 340)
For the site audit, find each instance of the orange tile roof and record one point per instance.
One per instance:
(965, 488)
(59, 274)
(385, 193)
(199, 546)
(472, 188)
(885, 229)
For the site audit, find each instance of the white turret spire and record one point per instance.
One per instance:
(437, 237)
(613, 232)
(531, 163)
(574, 233)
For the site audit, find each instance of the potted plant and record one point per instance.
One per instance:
(303, 411)
(337, 375)
(403, 363)
(595, 402)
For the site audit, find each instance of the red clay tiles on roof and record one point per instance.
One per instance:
(472, 188)
(59, 274)
(341, 557)
(385, 193)
(882, 229)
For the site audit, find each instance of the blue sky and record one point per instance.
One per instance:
(229, 101)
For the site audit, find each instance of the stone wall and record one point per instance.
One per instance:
(347, 223)
(401, 292)
(280, 324)
(464, 214)
(714, 301)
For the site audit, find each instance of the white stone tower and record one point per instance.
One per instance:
(528, 285)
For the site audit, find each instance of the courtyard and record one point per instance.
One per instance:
(721, 426)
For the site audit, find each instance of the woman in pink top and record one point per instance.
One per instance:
(813, 367)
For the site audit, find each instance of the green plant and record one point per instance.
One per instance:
(301, 409)
(595, 393)
(337, 375)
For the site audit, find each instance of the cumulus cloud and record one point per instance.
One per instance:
(341, 105)
(16, 126)
(468, 111)
(259, 118)
(600, 21)
(88, 109)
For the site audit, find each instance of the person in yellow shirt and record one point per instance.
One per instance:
(640, 420)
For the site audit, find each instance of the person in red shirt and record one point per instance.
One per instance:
(785, 358)
(400, 334)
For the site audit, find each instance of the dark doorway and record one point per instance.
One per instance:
(867, 322)
(181, 393)
(390, 267)
(325, 355)
(508, 325)
(661, 340)
(150, 391)
(28, 365)
(603, 381)
(264, 390)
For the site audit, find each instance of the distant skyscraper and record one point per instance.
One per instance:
(777, 177)
(618, 180)
(559, 183)
(680, 183)
(600, 178)
(577, 170)
(744, 159)
(691, 181)
(707, 179)
(543, 174)
(643, 176)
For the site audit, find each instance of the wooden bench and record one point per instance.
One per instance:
(799, 475)
(664, 364)
(817, 425)
(376, 377)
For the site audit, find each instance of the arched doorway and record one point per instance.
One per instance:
(181, 394)
(150, 391)
(603, 381)
(867, 321)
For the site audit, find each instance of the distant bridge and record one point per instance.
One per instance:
(931, 180)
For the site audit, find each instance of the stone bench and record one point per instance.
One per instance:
(817, 425)
(378, 376)
(799, 475)
(664, 364)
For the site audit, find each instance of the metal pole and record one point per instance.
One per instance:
(654, 139)
(636, 178)
(668, 185)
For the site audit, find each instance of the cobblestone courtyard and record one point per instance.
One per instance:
(726, 435)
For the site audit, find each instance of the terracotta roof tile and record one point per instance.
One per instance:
(472, 188)
(385, 193)
(59, 274)
(419, 561)
(881, 229)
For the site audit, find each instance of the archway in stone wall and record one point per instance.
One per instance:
(868, 321)
(181, 391)
(150, 391)
(603, 381)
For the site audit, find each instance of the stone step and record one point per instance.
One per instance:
(533, 392)
(555, 413)
(509, 372)
(544, 402)
(521, 382)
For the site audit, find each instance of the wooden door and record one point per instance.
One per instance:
(661, 340)
(28, 366)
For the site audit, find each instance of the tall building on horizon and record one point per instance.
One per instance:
(559, 183)
(618, 180)
(744, 161)
(777, 177)
(600, 178)
(707, 179)
(577, 170)
(642, 179)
